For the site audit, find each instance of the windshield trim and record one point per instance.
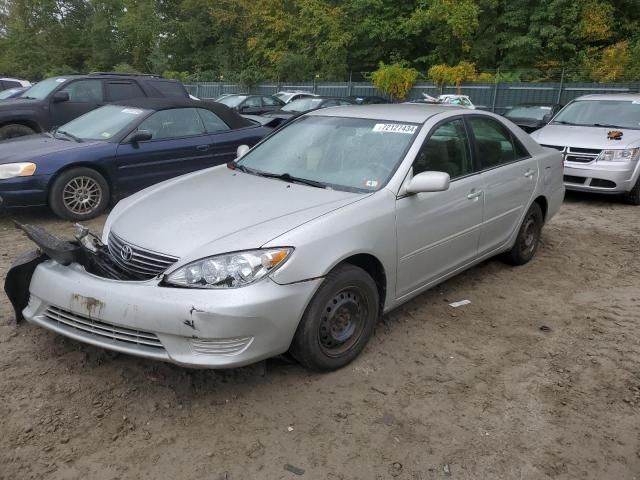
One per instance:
(346, 188)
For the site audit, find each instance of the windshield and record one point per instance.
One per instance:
(42, 89)
(352, 154)
(533, 112)
(302, 105)
(103, 123)
(606, 113)
(232, 100)
(9, 93)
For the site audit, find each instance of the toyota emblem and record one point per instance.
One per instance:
(126, 252)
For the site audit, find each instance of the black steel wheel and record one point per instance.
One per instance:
(338, 321)
(528, 237)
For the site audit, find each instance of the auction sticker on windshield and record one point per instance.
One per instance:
(395, 128)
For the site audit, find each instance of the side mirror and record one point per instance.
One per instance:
(547, 118)
(242, 151)
(140, 136)
(429, 182)
(60, 97)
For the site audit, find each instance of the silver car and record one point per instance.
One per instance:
(599, 137)
(307, 239)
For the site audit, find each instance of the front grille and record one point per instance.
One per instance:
(102, 331)
(139, 261)
(220, 346)
(581, 155)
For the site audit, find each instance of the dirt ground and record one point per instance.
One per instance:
(476, 392)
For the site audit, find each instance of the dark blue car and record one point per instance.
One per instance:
(116, 150)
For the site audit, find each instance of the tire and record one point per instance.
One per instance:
(15, 130)
(633, 196)
(528, 237)
(79, 194)
(330, 337)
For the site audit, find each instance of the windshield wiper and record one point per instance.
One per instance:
(603, 125)
(561, 122)
(70, 135)
(287, 177)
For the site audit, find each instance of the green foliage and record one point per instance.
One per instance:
(395, 80)
(291, 40)
(454, 75)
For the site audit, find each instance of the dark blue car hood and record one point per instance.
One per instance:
(39, 147)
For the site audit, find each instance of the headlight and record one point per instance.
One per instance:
(619, 155)
(10, 170)
(231, 270)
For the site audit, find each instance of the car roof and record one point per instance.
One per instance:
(630, 97)
(399, 112)
(230, 117)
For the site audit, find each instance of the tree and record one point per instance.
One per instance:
(395, 80)
(454, 75)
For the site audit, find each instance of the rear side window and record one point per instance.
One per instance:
(9, 84)
(495, 145)
(446, 150)
(123, 91)
(168, 88)
(212, 123)
(178, 122)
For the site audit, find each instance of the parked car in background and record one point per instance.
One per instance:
(532, 116)
(6, 83)
(308, 104)
(12, 92)
(288, 96)
(367, 99)
(116, 150)
(251, 104)
(58, 100)
(458, 100)
(599, 137)
(302, 243)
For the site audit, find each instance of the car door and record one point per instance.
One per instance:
(84, 95)
(122, 90)
(270, 104)
(438, 232)
(251, 106)
(179, 145)
(509, 174)
(224, 141)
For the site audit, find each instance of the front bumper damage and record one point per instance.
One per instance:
(69, 290)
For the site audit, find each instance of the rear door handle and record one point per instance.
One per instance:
(202, 148)
(474, 194)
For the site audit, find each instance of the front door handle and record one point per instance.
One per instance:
(474, 194)
(529, 173)
(202, 148)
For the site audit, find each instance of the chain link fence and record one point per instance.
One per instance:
(495, 97)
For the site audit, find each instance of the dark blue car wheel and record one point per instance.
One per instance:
(79, 194)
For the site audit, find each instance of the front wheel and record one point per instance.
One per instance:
(79, 194)
(528, 237)
(339, 320)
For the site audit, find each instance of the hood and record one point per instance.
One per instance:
(219, 210)
(12, 104)
(584, 137)
(33, 147)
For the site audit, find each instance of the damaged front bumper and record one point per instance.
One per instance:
(190, 327)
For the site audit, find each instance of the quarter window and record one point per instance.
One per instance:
(446, 150)
(84, 91)
(495, 145)
(212, 122)
(178, 122)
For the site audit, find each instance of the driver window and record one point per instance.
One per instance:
(252, 102)
(446, 150)
(85, 91)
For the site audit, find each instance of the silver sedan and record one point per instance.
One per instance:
(305, 240)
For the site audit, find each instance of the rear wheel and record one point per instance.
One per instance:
(528, 237)
(339, 320)
(633, 197)
(79, 194)
(15, 130)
